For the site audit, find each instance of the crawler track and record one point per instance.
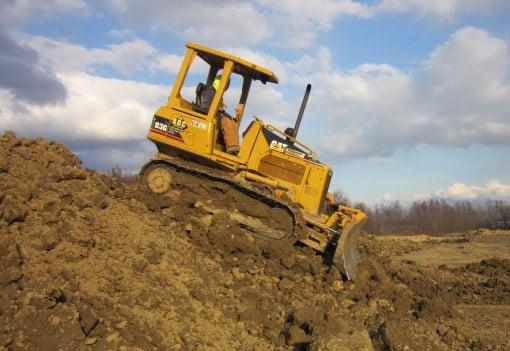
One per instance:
(254, 207)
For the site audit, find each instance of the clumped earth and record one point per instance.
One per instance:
(90, 263)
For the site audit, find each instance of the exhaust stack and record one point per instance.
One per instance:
(301, 111)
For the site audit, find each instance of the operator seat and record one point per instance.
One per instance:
(198, 105)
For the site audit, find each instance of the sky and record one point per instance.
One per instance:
(410, 98)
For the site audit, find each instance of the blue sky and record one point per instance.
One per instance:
(410, 98)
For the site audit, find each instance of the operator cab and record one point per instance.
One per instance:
(185, 127)
(204, 67)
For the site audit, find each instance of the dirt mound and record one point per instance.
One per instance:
(488, 280)
(90, 263)
(491, 268)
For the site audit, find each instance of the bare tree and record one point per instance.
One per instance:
(121, 175)
(341, 197)
(436, 216)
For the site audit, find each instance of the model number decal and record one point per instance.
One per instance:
(198, 124)
(161, 126)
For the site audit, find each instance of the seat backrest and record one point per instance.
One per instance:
(199, 90)
(198, 105)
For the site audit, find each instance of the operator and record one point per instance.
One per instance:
(227, 124)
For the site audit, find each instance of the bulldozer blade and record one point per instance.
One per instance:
(346, 256)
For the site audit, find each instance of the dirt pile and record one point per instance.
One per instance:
(87, 262)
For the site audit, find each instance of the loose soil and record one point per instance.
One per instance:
(90, 263)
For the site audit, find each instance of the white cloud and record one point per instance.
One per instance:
(442, 9)
(471, 69)
(261, 59)
(103, 119)
(492, 190)
(129, 157)
(127, 57)
(169, 62)
(121, 33)
(23, 75)
(268, 103)
(459, 191)
(296, 23)
(459, 97)
(286, 23)
(217, 23)
(21, 10)
(322, 12)
(97, 111)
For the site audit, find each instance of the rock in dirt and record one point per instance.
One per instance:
(337, 285)
(238, 274)
(87, 317)
(10, 263)
(344, 341)
(206, 220)
(90, 341)
(297, 336)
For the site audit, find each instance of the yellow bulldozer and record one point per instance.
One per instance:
(270, 165)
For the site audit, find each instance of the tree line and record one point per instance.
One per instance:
(433, 216)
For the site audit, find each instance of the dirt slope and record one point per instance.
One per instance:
(89, 263)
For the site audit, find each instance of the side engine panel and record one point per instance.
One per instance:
(306, 180)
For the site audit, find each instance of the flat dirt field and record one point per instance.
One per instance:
(89, 263)
(471, 265)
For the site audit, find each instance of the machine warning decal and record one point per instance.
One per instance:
(170, 128)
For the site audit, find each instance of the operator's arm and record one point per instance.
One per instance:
(222, 110)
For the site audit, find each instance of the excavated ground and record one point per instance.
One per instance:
(89, 263)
